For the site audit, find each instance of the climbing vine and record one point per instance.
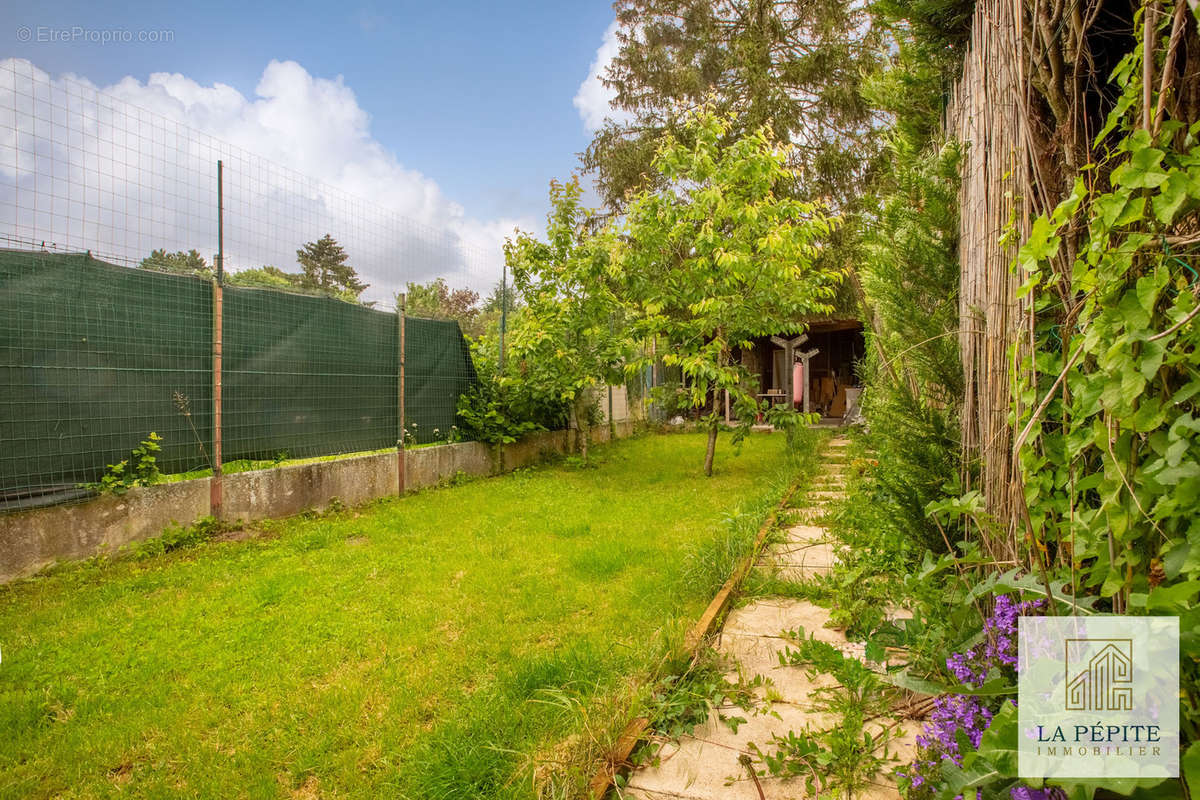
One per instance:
(1109, 395)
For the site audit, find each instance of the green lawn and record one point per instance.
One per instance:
(443, 645)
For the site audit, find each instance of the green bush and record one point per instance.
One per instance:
(502, 406)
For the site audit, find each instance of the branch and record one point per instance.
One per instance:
(1177, 25)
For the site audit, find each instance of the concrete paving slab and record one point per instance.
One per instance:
(794, 574)
(818, 558)
(806, 532)
(758, 655)
(791, 545)
(772, 617)
(800, 553)
(706, 764)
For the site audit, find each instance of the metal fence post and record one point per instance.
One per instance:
(400, 462)
(503, 312)
(215, 497)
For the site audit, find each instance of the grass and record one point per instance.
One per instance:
(475, 641)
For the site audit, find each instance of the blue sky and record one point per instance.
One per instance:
(476, 96)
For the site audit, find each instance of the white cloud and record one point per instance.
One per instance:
(594, 99)
(124, 169)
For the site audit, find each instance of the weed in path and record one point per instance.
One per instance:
(842, 759)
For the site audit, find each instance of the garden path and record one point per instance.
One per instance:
(713, 762)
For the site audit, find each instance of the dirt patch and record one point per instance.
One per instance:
(121, 773)
(242, 535)
(309, 790)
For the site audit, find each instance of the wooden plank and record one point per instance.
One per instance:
(619, 756)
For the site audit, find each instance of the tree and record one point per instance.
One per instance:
(179, 262)
(796, 66)
(436, 300)
(324, 268)
(721, 256)
(267, 277)
(569, 339)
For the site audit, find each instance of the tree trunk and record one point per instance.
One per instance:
(572, 428)
(712, 448)
(583, 427)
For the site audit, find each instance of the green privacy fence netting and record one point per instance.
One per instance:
(93, 357)
(306, 376)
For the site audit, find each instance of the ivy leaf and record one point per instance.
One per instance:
(1133, 211)
(1152, 358)
(1142, 171)
(1149, 416)
(1148, 288)
(1041, 245)
(1171, 197)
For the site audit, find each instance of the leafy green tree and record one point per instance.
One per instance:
(568, 340)
(721, 256)
(267, 277)
(179, 262)
(500, 297)
(436, 300)
(793, 65)
(324, 267)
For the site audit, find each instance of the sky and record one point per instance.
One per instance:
(453, 114)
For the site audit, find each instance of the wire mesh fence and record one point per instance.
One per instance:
(110, 235)
(82, 170)
(91, 355)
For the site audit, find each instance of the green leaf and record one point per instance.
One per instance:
(1173, 598)
(1172, 195)
(1042, 243)
(1142, 171)
(1125, 787)
(1189, 765)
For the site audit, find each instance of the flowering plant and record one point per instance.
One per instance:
(959, 720)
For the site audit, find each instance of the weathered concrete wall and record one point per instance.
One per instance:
(620, 403)
(282, 491)
(31, 540)
(429, 466)
(623, 428)
(536, 447)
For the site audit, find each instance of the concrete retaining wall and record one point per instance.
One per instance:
(282, 491)
(32, 540)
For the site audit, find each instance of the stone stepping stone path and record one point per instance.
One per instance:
(710, 764)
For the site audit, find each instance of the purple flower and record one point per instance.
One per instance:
(1025, 793)
(951, 714)
(967, 714)
(999, 648)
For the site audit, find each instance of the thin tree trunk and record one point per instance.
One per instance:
(585, 428)
(712, 448)
(579, 411)
(572, 427)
